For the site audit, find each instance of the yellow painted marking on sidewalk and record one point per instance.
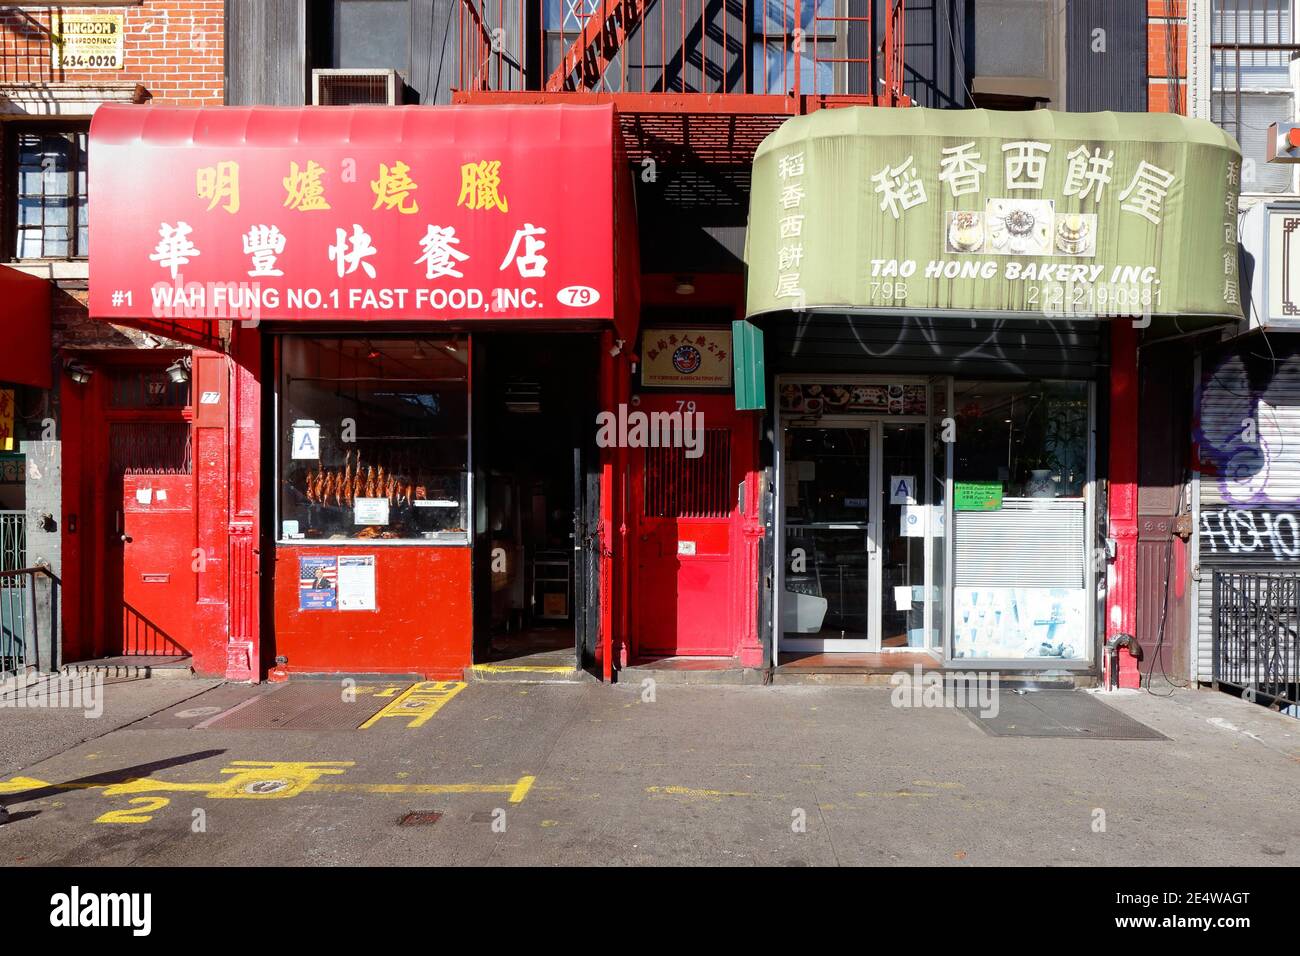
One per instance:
(255, 780)
(517, 790)
(388, 692)
(939, 784)
(676, 791)
(524, 668)
(21, 784)
(418, 703)
(892, 793)
(139, 814)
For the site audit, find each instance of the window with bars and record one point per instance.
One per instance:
(150, 448)
(680, 487)
(1251, 45)
(48, 216)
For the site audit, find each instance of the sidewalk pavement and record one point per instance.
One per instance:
(557, 774)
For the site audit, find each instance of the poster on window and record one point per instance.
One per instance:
(318, 584)
(1010, 623)
(357, 583)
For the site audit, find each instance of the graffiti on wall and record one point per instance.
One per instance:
(1241, 439)
(931, 337)
(1247, 532)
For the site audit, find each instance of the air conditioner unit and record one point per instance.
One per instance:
(356, 88)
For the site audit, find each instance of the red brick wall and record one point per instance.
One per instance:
(1166, 41)
(172, 47)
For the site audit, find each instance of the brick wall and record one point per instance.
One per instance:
(172, 47)
(1167, 56)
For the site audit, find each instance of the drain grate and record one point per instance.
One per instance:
(419, 818)
(1059, 713)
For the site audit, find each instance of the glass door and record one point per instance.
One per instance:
(830, 599)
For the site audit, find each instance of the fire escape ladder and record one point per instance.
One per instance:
(480, 47)
(596, 45)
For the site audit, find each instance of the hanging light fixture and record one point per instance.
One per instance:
(179, 371)
(78, 372)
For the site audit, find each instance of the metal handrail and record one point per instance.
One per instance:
(20, 647)
(1255, 621)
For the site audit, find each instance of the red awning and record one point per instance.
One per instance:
(25, 357)
(455, 213)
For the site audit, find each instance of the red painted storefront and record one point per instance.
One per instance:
(214, 565)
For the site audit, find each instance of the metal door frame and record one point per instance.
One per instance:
(835, 645)
(876, 424)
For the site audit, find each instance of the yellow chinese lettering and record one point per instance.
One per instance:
(393, 188)
(303, 188)
(480, 186)
(219, 183)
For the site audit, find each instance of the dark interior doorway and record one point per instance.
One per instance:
(533, 420)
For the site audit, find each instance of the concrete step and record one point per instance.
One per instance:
(133, 667)
(526, 674)
(871, 677)
(697, 671)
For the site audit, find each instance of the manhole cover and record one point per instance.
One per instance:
(262, 787)
(197, 712)
(419, 818)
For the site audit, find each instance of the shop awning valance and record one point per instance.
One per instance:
(371, 213)
(976, 212)
(25, 357)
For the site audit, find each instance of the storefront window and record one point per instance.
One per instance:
(1020, 534)
(1030, 438)
(374, 439)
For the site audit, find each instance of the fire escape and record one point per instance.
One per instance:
(697, 84)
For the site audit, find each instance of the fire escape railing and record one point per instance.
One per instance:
(777, 47)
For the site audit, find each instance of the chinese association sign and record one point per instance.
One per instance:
(422, 213)
(1059, 214)
(686, 358)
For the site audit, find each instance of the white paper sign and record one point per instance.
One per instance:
(685, 547)
(210, 398)
(902, 489)
(937, 521)
(903, 597)
(913, 521)
(371, 511)
(306, 441)
(144, 495)
(357, 582)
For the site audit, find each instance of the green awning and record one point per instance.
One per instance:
(1000, 213)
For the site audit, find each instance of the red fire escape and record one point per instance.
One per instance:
(700, 79)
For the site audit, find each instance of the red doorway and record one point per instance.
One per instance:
(690, 582)
(135, 521)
